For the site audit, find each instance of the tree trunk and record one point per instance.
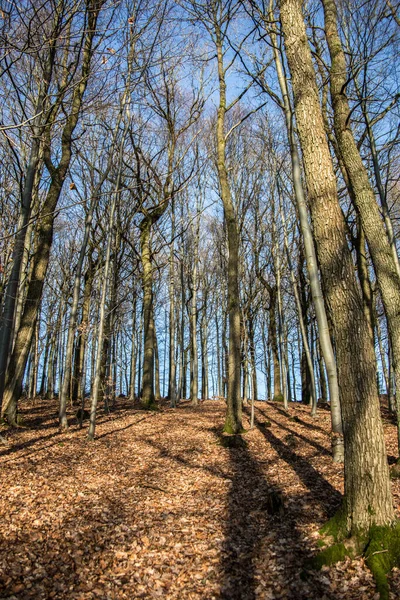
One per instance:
(381, 250)
(311, 262)
(172, 324)
(367, 498)
(147, 279)
(233, 419)
(273, 340)
(194, 366)
(204, 356)
(72, 320)
(253, 360)
(132, 376)
(157, 392)
(78, 391)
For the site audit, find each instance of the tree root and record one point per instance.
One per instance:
(380, 547)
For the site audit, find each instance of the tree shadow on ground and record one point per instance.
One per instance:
(264, 550)
(321, 449)
(323, 491)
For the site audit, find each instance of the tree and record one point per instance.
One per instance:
(44, 231)
(380, 241)
(367, 500)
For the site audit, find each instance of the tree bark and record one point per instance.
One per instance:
(311, 263)
(381, 249)
(367, 499)
(233, 419)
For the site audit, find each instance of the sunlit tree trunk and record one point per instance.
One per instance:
(380, 241)
(148, 323)
(233, 420)
(367, 498)
(172, 323)
(311, 262)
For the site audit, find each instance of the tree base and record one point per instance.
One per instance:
(382, 554)
(380, 547)
(227, 440)
(278, 398)
(149, 405)
(231, 430)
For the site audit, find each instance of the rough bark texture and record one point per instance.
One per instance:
(363, 195)
(367, 498)
(311, 259)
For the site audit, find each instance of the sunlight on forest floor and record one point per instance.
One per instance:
(156, 507)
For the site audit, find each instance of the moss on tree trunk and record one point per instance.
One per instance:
(380, 547)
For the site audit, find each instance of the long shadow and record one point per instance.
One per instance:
(311, 426)
(323, 491)
(261, 536)
(321, 449)
(99, 437)
(28, 443)
(183, 461)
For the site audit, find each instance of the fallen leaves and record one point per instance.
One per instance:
(157, 508)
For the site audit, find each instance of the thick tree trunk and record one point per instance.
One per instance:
(311, 263)
(24, 226)
(367, 498)
(380, 247)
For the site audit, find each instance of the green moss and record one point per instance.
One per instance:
(278, 398)
(382, 554)
(151, 405)
(336, 527)
(328, 556)
(229, 429)
(232, 441)
(380, 547)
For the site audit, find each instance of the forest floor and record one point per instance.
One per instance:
(157, 507)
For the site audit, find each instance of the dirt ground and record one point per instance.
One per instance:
(157, 507)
